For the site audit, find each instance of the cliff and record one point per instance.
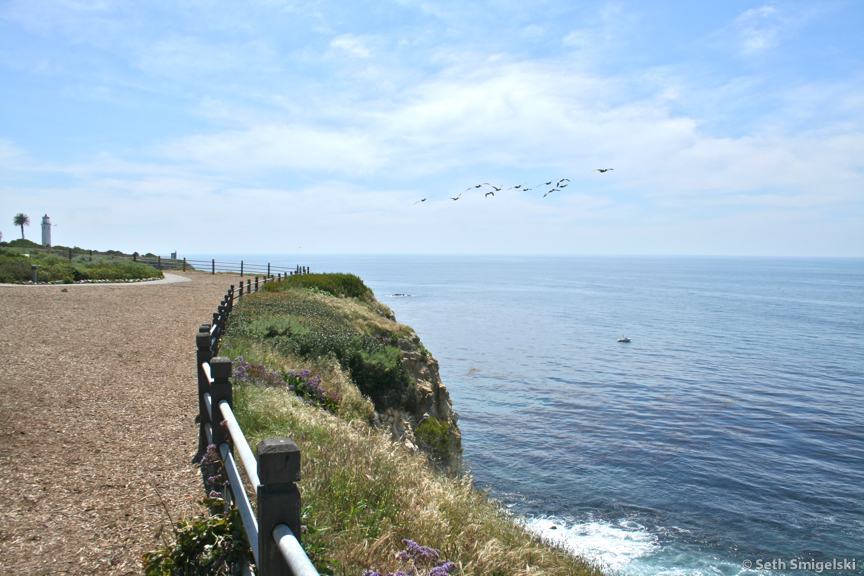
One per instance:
(328, 331)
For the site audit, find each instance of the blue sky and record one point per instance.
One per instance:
(735, 128)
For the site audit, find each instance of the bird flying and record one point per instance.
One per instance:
(490, 193)
(459, 195)
(604, 170)
(419, 201)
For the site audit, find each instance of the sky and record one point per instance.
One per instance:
(283, 127)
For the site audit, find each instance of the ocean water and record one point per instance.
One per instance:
(729, 430)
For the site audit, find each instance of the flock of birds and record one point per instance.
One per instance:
(490, 189)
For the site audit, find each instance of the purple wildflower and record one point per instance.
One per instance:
(443, 569)
(301, 382)
(371, 573)
(421, 554)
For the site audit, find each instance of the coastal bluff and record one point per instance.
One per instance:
(330, 331)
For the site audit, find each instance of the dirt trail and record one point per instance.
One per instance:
(97, 400)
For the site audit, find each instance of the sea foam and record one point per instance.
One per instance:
(611, 546)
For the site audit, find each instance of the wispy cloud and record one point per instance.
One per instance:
(759, 29)
(351, 45)
(303, 148)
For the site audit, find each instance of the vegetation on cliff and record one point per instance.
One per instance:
(332, 326)
(318, 359)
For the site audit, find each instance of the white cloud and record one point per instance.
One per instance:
(302, 148)
(351, 45)
(758, 29)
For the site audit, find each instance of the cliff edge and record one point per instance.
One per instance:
(329, 335)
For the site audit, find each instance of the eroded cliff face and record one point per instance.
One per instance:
(425, 420)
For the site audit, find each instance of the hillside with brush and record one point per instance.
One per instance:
(328, 333)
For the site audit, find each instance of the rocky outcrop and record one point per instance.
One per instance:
(426, 422)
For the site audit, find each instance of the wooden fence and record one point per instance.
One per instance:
(273, 527)
(172, 262)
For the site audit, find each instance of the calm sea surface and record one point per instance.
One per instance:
(730, 429)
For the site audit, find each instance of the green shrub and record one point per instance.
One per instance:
(434, 434)
(207, 545)
(343, 285)
(23, 243)
(16, 267)
(380, 374)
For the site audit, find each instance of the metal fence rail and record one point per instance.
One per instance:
(272, 528)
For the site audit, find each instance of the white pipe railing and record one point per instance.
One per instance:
(286, 556)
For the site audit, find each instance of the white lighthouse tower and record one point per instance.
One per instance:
(46, 231)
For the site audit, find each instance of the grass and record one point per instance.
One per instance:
(15, 266)
(363, 494)
(309, 327)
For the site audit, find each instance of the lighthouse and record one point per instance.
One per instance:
(46, 231)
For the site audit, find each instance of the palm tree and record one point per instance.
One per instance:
(21, 220)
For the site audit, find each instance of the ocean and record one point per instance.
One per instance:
(727, 437)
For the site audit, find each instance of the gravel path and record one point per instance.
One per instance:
(97, 400)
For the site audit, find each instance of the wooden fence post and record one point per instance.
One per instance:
(268, 269)
(213, 266)
(229, 299)
(220, 389)
(256, 283)
(184, 264)
(241, 272)
(278, 499)
(202, 355)
(248, 285)
(241, 289)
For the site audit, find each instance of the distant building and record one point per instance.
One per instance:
(46, 231)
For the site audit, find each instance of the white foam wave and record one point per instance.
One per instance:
(611, 546)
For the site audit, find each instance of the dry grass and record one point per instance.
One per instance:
(334, 379)
(363, 494)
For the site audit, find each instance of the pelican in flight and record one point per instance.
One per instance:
(604, 170)
(419, 201)
(459, 195)
(490, 193)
